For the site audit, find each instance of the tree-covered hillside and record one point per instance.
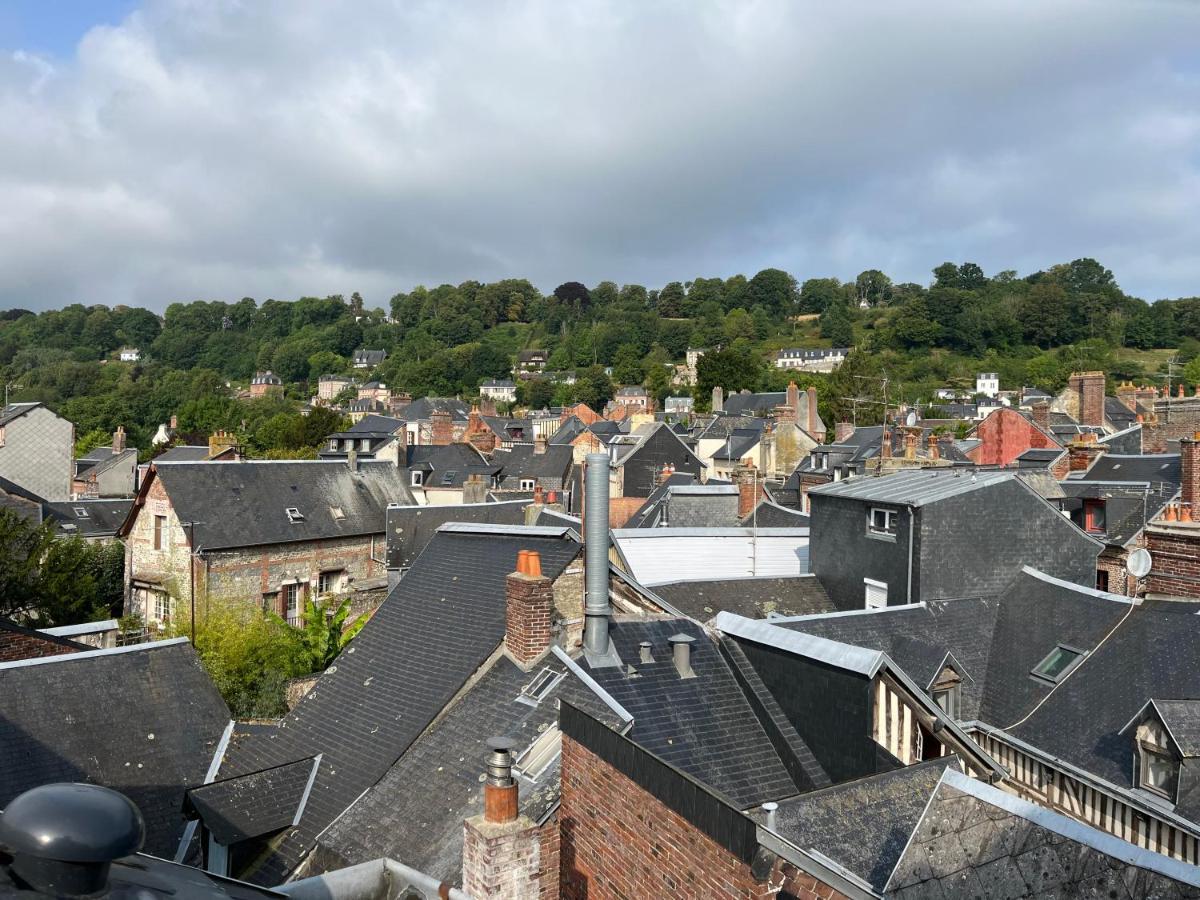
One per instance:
(445, 340)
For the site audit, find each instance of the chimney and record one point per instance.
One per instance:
(64, 837)
(474, 490)
(487, 406)
(502, 850)
(645, 657)
(934, 450)
(352, 459)
(1041, 415)
(811, 428)
(595, 529)
(718, 400)
(538, 494)
(1082, 451)
(911, 435)
(665, 475)
(539, 445)
(529, 597)
(1127, 394)
(885, 447)
(784, 413)
(1189, 466)
(1090, 386)
(842, 430)
(750, 489)
(793, 398)
(1179, 393)
(119, 440)
(681, 654)
(478, 435)
(220, 441)
(441, 431)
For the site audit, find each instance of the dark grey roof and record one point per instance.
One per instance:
(650, 513)
(913, 487)
(15, 411)
(1151, 467)
(91, 518)
(1118, 414)
(144, 720)
(422, 410)
(520, 461)
(703, 726)
(1040, 455)
(754, 598)
(243, 504)
(415, 812)
(248, 806)
(411, 528)
(183, 453)
(864, 825)
(376, 425)
(447, 465)
(1182, 718)
(102, 459)
(370, 357)
(976, 841)
(738, 443)
(749, 404)
(24, 503)
(429, 636)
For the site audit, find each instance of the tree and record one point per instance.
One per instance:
(324, 633)
(537, 393)
(971, 277)
(732, 369)
(593, 387)
(573, 295)
(872, 286)
(914, 327)
(837, 325)
(817, 293)
(672, 301)
(946, 275)
(775, 290)
(1044, 314)
(628, 367)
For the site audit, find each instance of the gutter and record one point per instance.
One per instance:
(912, 526)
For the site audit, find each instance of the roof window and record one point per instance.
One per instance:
(1058, 664)
(448, 478)
(337, 512)
(538, 756)
(81, 512)
(543, 683)
(294, 515)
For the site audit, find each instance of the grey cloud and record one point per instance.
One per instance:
(222, 149)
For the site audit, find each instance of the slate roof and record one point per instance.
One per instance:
(772, 515)
(447, 465)
(248, 806)
(749, 404)
(244, 504)
(369, 357)
(415, 812)
(520, 461)
(24, 503)
(422, 410)
(411, 528)
(703, 726)
(90, 518)
(183, 453)
(15, 411)
(1119, 415)
(432, 633)
(739, 443)
(1160, 468)
(865, 824)
(374, 424)
(144, 720)
(754, 598)
(1182, 718)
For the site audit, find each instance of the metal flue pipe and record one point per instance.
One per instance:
(595, 536)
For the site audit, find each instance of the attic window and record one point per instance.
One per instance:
(543, 683)
(1158, 770)
(1058, 664)
(81, 512)
(337, 512)
(294, 515)
(538, 756)
(528, 484)
(1093, 516)
(417, 478)
(448, 478)
(882, 521)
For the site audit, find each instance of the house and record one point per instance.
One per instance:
(530, 363)
(1006, 433)
(264, 384)
(931, 534)
(679, 406)
(635, 398)
(411, 528)
(377, 391)
(421, 649)
(95, 521)
(502, 390)
(987, 384)
(440, 474)
(434, 420)
(24, 504)
(130, 354)
(638, 459)
(329, 386)
(58, 722)
(803, 406)
(527, 467)
(272, 533)
(37, 450)
(773, 446)
(368, 359)
(584, 437)
(107, 472)
(820, 359)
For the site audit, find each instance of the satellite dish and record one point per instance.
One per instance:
(912, 419)
(1138, 564)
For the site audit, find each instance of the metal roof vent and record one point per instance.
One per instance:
(681, 651)
(646, 656)
(64, 837)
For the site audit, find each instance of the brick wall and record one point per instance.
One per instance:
(19, 643)
(1175, 551)
(1174, 418)
(530, 599)
(1005, 435)
(618, 840)
(1112, 562)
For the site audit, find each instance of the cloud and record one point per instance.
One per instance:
(222, 148)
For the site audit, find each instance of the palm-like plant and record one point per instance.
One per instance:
(325, 633)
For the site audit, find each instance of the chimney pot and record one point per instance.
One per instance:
(769, 808)
(681, 653)
(499, 789)
(352, 459)
(645, 656)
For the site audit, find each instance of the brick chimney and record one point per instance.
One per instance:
(718, 400)
(665, 475)
(174, 422)
(1189, 466)
(912, 436)
(119, 440)
(1090, 388)
(811, 427)
(1041, 415)
(934, 450)
(220, 441)
(530, 599)
(750, 489)
(841, 431)
(784, 413)
(441, 430)
(885, 447)
(793, 398)
(1127, 394)
(478, 435)
(502, 850)
(539, 445)
(1083, 451)
(487, 406)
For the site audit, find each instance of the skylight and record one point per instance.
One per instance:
(448, 478)
(545, 748)
(543, 683)
(294, 514)
(81, 512)
(1058, 663)
(337, 512)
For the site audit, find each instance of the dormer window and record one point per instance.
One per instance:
(947, 692)
(1093, 516)
(333, 443)
(418, 478)
(1158, 769)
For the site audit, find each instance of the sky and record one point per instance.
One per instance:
(176, 150)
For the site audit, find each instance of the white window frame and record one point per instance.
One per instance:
(162, 606)
(871, 597)
(528, 484)
(329, 581)
(418, 478)
(890, 519)
(293, 597)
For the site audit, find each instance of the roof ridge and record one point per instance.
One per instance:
(92, 654)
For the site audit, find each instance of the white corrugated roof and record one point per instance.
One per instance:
(915, 487)
(659, 555)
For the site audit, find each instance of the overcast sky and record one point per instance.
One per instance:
(212, 149)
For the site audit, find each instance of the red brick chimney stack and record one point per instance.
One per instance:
(1090, 388)
(119, 440)
(441, 430)
(793, 398)
(885, 448)
(530, 599)
(478, 435)
(842, 430)
(750, 489)
(1041, 415)
(1189, 464)
(934, 450)
(812, 412)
